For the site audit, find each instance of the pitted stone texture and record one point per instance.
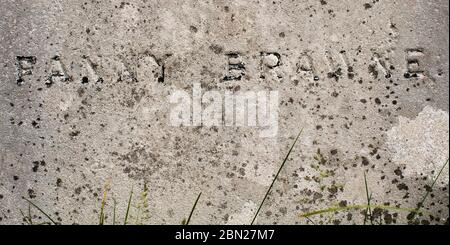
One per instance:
(89, 105)
(422, 144)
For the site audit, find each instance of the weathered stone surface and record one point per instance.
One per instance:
(84, 103)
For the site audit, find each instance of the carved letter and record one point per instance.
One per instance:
(24, 67)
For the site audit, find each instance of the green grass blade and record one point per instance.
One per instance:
(420, 204)
(44, 223)
(114, 211)
(276, 177)
(40, 210)
(310, 220)
(432, 186)
(30, 218)
(351, 207)
(25, 218)
(102, 211)
(368, 213)
(193, 209)
(128, 207)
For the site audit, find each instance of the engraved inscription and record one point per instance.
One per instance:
(58, 72)
(377, 65)
(305, 66)
(271, 59)
(126, 74)
(24, 66)
(148, 66)
(236, 67)
(414, 68)
(91, 68)
(337, 68)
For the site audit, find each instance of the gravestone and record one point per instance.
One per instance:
(86, 110)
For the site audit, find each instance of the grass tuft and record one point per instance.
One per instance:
(102, 208)
(27, 218)
(114, 211)
(186, 222)
(40, 210)
(412, 215)
(276, 177)
(143, 213)
(369, 207)
(355, 207)
(125, 222)
(368, 213)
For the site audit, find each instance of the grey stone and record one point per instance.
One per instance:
(84, 108)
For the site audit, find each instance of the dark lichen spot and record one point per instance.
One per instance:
(216, 49)
(365, 161)
(74, 133)
(35, 166)
(35, 124)
(388, 218)
(373, 71)
(378, 101)
(193, 29)
(402, 187)
(78, 190)
(58, 182)
(242, 171)
(31, 193)
(336, 74)
(85, 80)
(398, 172)
(349, 217)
